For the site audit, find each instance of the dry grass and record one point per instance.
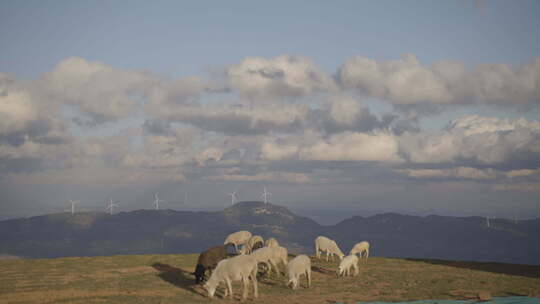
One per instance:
(167, 279)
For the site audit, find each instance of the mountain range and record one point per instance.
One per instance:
(169, 231)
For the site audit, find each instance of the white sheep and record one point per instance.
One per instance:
(271, 256)
(271, 242)
(362, 248)
(251, 243)
(329, 246)
(241, 267)
(238, 238)
(298, 266)
(346, 264)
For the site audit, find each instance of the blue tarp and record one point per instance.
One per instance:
(495, 300)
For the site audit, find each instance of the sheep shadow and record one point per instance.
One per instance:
(531, 271)
(177, 277)
(323, 270)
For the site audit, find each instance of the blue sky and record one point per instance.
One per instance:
(82, 77)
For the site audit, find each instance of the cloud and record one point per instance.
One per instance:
(353, 146)
(24, 118)
(344, 113)
(476, 139)
(274, 177)
(240, 119)
(98, 90)
(16, 112)
(346, 146)
(258, 77)
(459, 173)
(407, 81)
(166, 97)
(528, 187)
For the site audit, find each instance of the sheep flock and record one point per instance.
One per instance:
(255, 252)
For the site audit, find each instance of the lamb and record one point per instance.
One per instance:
(298, 266)
(254, 242)
(238, 238)
(362, 247)
(241, 267)
(325, 244)
(346, 264)
(271, 242)
(271, 256)
(208, 260)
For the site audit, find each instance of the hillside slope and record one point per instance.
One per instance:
(168, 231)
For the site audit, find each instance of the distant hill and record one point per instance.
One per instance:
(168, 231)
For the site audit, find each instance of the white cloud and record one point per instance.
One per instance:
(240, 119)
(171, 97)
(403, 81)
(259, 77)
(275, 177)
(406, 81)
(345, 110)
(97, 89)
(16, 111)
(273, 151)
(475, 138)
(529, 187)
(459, 172)
(346, 146)
(354, 146)
(522, 173)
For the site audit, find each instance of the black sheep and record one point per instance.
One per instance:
(208, 260)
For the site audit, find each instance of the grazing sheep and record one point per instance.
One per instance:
(362, 248)
(237, 238)
(241, 267)
(271, 256)
(325, 244)
(208, 260)
(271, 242)
(254, 242)
(298, 266)
(346, 264)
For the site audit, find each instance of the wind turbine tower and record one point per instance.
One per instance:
(111, 206)
(73, 206)
(156, 201)
(265, 195)
(233, 197)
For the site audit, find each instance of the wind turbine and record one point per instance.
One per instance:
(111, 206)
(265, 195)
(156, 201)
(73, 206)
(233, 197)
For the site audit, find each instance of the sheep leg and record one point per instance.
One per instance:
(367, 255)
(226, 292)
(327, 256)
(245, 283)
(308, 273)
(254, 279)
(229, 286)
(274, 264)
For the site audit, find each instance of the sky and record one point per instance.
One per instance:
(347, 107)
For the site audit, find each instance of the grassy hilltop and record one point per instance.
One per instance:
(166, 279)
